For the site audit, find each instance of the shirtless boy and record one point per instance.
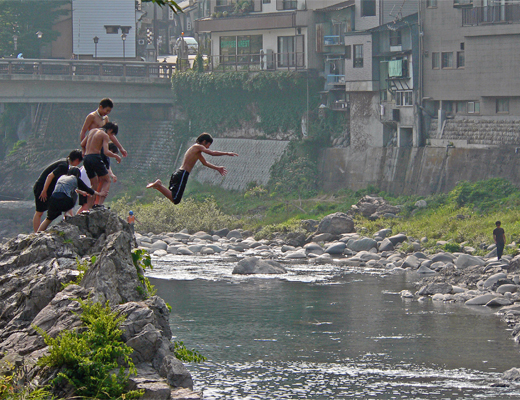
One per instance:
(97, 170)
(180, 177)
(96, 119)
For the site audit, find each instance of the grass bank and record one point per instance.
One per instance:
(465, 216)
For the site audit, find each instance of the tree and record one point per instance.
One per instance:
(169, 3)
(20, 20)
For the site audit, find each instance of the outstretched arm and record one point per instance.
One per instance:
(222, 171)
(217, 153)
(114, 140)
(108, 153)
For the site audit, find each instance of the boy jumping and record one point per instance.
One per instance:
(179, 178)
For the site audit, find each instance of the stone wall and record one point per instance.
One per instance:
(419, 171)
(504, 131)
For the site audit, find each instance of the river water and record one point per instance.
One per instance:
(329, 332)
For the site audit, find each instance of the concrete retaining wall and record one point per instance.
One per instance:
(419, 171)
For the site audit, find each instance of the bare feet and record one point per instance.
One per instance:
(154, 185)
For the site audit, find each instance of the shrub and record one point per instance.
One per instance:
(183, 354)
(88, 359)
(452, 247)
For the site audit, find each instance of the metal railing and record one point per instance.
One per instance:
(508, 13)
(335, 79)
(137, 69)
(256, 62)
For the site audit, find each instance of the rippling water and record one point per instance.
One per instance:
(329, 332)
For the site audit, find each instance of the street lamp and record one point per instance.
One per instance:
(39, 35)
(123, 38)
(96, 41)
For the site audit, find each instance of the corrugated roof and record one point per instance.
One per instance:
(338, 7)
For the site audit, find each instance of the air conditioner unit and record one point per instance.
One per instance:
(395, 115)
(141, 42)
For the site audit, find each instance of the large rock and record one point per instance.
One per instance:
(434, 288)
(399, 238)
(336, 224)
(386, 245)
(336, 248)
(489, 282)
(253, 265)
(481, 300)
(411, 262)
(444, 257)
(465, 260)
(363, 244)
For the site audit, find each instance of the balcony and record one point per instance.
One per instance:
(335, 79)
(501, 14)
(333, 40)
(224, 8)
(462, 3)
(247, 22)
(339, 105)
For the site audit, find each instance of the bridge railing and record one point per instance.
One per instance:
(138, 69)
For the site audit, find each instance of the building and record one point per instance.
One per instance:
(471, 74)
(371, 52)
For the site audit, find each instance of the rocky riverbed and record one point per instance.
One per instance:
(443, 277)
(33, 270)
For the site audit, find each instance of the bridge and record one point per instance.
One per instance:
(84, 81)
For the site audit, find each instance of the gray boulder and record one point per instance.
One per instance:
(411, 262)
(489, 282)
(425, 270)
(399, 238)
(465, 260)
(512, 374)
(221, 232)
(336, 248)
(481, 300)
(361, 244)
(336, 224)
(234, 234)
(444, 257)
(386, 245)
(253, 265)
(434, 288)
(313, 248)
(507, 288)
(383, 233)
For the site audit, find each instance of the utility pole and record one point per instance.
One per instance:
(155, 33)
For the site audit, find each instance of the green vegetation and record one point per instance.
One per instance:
(142, 260)
(183, 354)
(82, 268)
(17, 146)
(93, 360)
(15, 385)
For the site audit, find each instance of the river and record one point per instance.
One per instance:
(329, 332)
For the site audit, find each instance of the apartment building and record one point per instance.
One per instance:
(370, 51)
(471, 58)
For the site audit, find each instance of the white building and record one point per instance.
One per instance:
(111, 21)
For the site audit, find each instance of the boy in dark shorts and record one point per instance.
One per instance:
(44, 185)
(180, 177)
(64, 196)
(94, 144)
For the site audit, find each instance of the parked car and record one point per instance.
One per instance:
(190, 43)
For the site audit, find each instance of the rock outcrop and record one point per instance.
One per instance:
(33, 271)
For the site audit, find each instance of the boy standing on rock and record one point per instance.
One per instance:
(179, 178)
(96, 119)
(499, 236)
(44, 186)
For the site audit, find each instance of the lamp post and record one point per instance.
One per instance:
(123, 38)
(15, 41)
(39, 35)
(96, 41)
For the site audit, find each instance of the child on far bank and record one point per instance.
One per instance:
(179, 178)
(132, 219)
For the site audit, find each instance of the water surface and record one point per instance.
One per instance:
(327, 332)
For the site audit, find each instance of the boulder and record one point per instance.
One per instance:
(383, 233)
(399, 238)
(481, 300)
(336, 248)
(253, 265)
(411, 262)
(313, 248)
(336, 224)
(499, 302)
(512, 374)
(489, 282)
(406, 294)
(322, 237)
(386, 245)
(363, 244)
(234, 234)
(433, 288)
(221, 232)
(507, 288)
(444, 257)
(465, 260)
(425, 270)
(420, 204)
(296, 254)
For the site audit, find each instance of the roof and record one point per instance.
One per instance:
(338, 6)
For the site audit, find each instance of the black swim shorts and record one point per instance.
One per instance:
(94, 165)
(178, 184)
(58, 203)
(41, 206)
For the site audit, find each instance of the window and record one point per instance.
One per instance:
(286, 4)
(348, 52)
(404, 98)
(395, 38)
(460, 59)
(240, 49)
(447, 106)
(112, 29)
(171, 14)
(461, 107)
(290, 51)
(473, 107)
(126, 29)
(447, 60)
(503, 105)
(431, 3)
(266, 1)
(436, 61)
(462, 3)
(368, 8)
(358, 56)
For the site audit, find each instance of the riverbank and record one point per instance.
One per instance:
(443, 277)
